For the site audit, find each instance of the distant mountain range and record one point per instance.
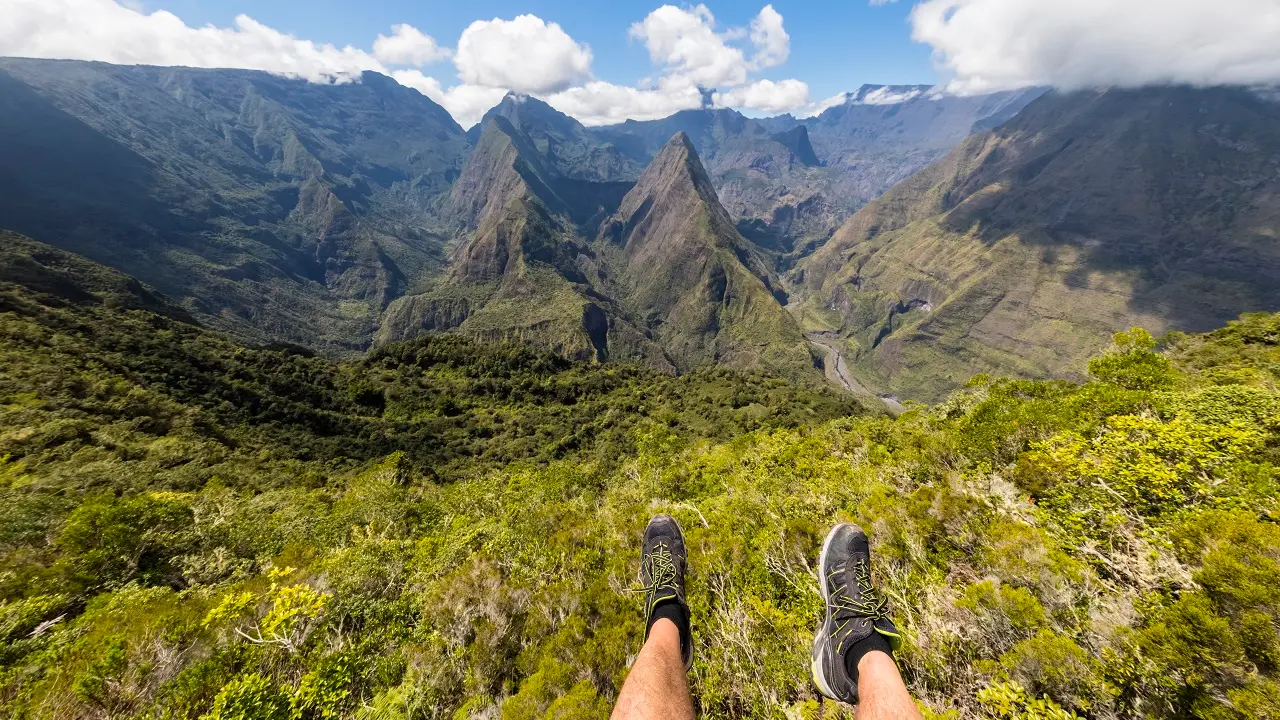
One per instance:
(1027, 246)
(1005, 233)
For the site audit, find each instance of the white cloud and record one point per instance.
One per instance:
(526, 54)
(104, 30)
(691, 52)
(766, 96)
(407, 45)
(687, 44)
(816, 108)
(466, 103)
(772, 42)
(602, 103)
(992, 45)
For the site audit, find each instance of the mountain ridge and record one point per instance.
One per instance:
(1027, 246)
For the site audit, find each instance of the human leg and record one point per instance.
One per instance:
(852, 652)
(657, 686)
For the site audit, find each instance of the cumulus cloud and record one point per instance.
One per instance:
(989, 45)
(408, 45)
(602, 103)
(692, 52)
(107, 31)
(466, 103)
(526, 54)
(685, 41)
(772, 42)
(766, 95)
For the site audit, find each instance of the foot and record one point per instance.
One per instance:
(662, 565)
(854, 611)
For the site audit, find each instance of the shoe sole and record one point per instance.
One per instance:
(815, 661)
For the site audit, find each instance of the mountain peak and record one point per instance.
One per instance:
(797, 141)
(677, 164)
(679, 142)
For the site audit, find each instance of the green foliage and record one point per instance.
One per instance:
(1133, 363)
(1051, 550)
(251, 697)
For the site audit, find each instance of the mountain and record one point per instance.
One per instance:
(1027, 246)
(699, 285)
(273, 208)
(522, 274)
(659, 276)
(767, 178)
(564, 144)
(789, 183)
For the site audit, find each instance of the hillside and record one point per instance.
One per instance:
(790, 183)
(334, 216)
(192, 528)
(657, 275)
(275, 209)
(1027, 246)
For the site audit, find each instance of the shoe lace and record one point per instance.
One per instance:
(870, 604)
(662, 568)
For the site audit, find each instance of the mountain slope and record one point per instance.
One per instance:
(1027, 246)
(517, 275)
(191, 528)
(665, 280)
(273, 208)
(701, 287)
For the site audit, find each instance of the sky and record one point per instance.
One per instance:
(603, 61)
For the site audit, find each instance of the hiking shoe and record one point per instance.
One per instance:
(662, 565)
(854, 611)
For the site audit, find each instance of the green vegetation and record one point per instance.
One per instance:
(1020, 252)
(195, 529)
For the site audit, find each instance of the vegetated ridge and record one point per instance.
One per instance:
(191, 528)
(1024, 249)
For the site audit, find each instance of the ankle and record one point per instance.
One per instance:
(672, 615)
(871, 650)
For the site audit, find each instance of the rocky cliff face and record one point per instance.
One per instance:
(701, 288)
(273, 208)
(665, 279)
(1023, 249)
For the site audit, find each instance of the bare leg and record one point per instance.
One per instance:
(882, 694)
(657, 687)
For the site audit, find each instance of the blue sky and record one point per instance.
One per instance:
(604, 61)
(835, 46)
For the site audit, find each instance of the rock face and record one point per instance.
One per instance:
(700, 287)
(1022, 250)
(665, 279)
(273, 208)
(789, 183)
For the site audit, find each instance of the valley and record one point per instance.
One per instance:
(315, 404)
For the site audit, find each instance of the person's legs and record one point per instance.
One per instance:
(883, 694)
(656, 686)
(852, 656)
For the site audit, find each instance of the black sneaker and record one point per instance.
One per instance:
(854, 610)
(662, 564)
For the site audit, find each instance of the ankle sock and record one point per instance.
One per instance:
(675, 612)
(873, 642)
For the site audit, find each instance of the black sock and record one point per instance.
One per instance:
(675, 612)
(873, 642)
